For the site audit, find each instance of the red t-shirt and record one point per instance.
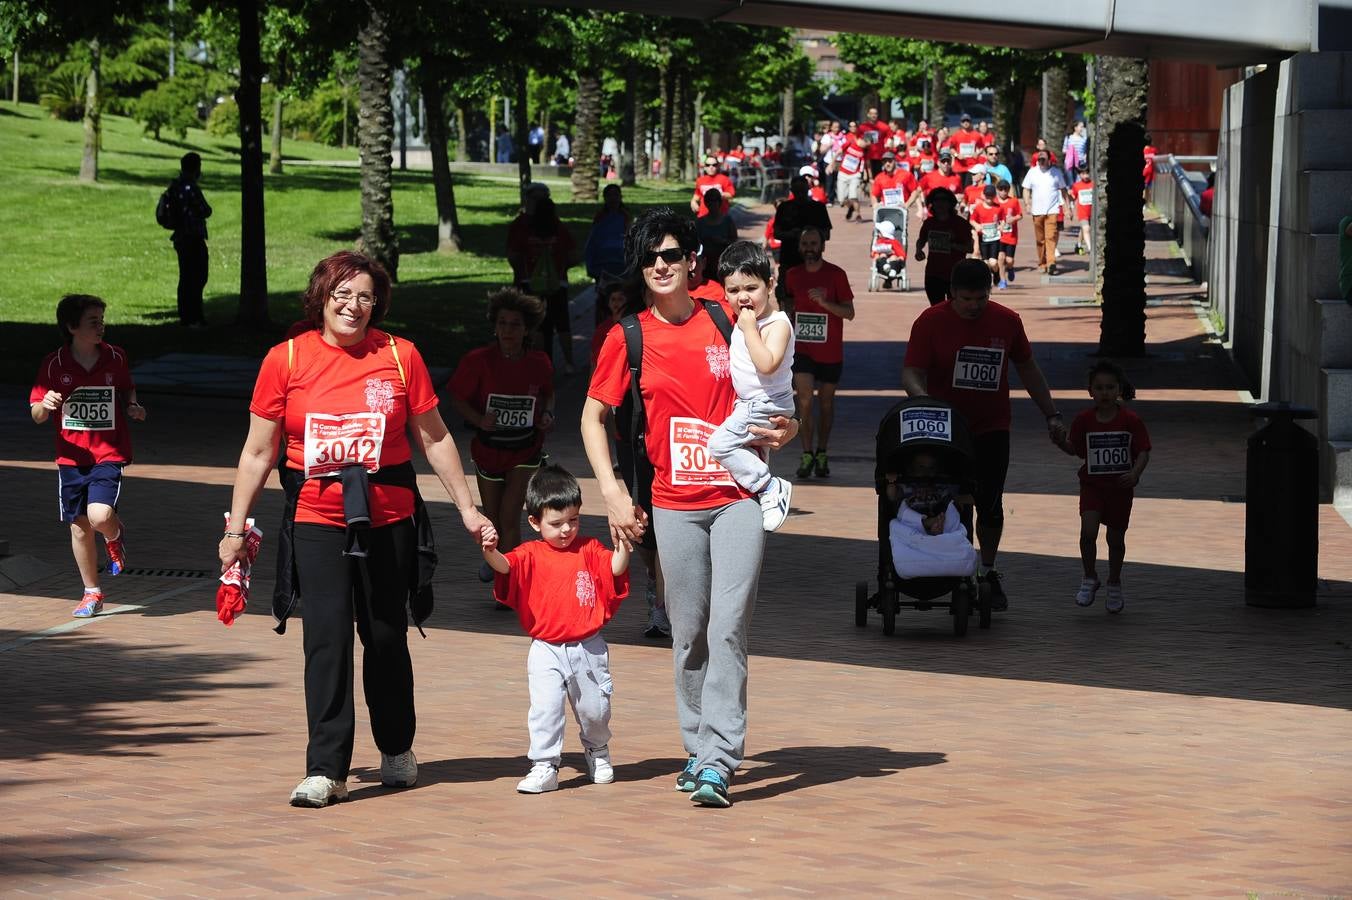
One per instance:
(973, 193)
(361, 383)
(937, 179)
(818, 193)
(818, 334)
(851, 157)
(1083, 190)
(965, 146)
(887, 247)
(1149, 171)
(898, 179)
(1011, 207)
(519, 389)
(966, 361)
(881, 132)
(91, 425)
(709, 289)
(1108, 448)
(561, 595)
(923, 143)
(945, 244)
(771, 241)
(704, 182)
(599, 338)
(987, 220)
(687, 392)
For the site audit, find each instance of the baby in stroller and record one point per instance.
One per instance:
(927, 535)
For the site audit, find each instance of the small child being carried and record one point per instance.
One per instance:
(564, 588)
(761, 355)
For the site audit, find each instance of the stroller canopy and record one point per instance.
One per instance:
(924, 423)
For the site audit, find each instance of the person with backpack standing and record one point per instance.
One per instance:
(708, 529)
(183, 210)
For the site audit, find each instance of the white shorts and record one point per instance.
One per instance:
(847, 187)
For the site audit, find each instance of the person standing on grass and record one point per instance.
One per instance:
(190, 211)
(89, 384)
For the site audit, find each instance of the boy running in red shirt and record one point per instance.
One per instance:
(88, 383)
(985, 218)
(1082, 193)
(1011, 211)
(1115, 446)
(564, 588)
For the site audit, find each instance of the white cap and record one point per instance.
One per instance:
(887, 229)
(810, 171)
(978, 169)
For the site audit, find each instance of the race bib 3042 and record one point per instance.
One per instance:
(978, 368)
(334, 442)
(691, 463)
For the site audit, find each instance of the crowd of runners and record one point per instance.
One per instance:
(709, 353)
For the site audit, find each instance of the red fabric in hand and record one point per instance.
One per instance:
(233, 594)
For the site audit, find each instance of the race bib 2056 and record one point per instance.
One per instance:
(512, 411)
(90, 409)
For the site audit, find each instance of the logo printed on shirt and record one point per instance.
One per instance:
(66, 380)
(379, 396)
(586, 589)
(719, 364)
(108, 378)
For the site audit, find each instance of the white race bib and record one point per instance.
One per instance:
(892, 196)
(967, 149)
(940, 242)
(1085, 197)
(333, 442)
(90, 409)
(691, 462)
(1109, 452)
(881, 246)
(978, 368)
(849, 164)
(990, 231)
(904, 165)
(926, 422)
(810, 328)
(512, 411)
(927, 165)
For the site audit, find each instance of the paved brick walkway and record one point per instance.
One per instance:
(1191, 747)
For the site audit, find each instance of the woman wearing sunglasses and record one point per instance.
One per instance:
(708, 529)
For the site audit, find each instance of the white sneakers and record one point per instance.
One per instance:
(598, 766)
(542, 778)
(318, 791)
(1085, 595)
(400, 770)
(774, 503)
(1115, 599)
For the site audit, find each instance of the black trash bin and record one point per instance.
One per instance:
(1281, 521)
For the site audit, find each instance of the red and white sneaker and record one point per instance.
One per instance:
(90, 606)
(117, 553)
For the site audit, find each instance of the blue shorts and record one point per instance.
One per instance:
(83, 485)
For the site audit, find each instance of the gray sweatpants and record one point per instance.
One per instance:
(728, 443)
(577, 673)
(718, 555)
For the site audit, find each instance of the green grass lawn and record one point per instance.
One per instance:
(59, 236)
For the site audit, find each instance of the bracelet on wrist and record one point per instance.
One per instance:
(237, 534)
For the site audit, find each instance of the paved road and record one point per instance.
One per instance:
(1191, 746)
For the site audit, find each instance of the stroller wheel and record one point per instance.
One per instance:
(887, 604)
(962, 608)
(861, 604)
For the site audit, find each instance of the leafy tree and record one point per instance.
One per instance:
(171, 105)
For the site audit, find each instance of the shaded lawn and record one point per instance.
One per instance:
(58, 236)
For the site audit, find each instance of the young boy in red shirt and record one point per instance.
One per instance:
(1082, 192)
(89, 384)
(1011, 211)
(985, 216)
(564, 588)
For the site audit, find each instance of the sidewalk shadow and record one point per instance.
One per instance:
(795, 768)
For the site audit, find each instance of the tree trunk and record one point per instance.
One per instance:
(696, 134)
(1001, 109)
(938, 97)
(275, 163)
(493, 129)
(448, 222)
(642, 164)
(462, 132)
(1055, 95)
(1121, 91)
(667, 87)
(16, 76)
(89, 161)
(680, 128)
(521, 126)
(586, 135)
(787, 110)
(375, 138)
(253, 267)
(346, 108)
(630, 135)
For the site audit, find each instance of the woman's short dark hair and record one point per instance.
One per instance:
(798, 186)
(713, 197)
(970, 275)
(552, 487)
(1126, 390)
(341, 267)
(648, 230)
(71, 309)
(544, 222)
(531, 308)
(745, 258)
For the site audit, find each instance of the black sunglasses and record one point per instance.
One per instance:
(670, 256)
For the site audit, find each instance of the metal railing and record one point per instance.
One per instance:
(1176, 194)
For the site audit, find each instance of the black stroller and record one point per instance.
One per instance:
(924, 458)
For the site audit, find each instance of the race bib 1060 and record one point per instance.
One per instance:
(1108, 452)
(334, 442)
(926, 422)
(978, 368)
(810, 328)
(512, 411)
(691, 463)
(89, 409)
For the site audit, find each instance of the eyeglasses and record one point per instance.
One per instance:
(365, 300)
(670, 256)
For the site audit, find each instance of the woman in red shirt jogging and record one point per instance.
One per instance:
(708, 529)
(949, 239)
(355, 540)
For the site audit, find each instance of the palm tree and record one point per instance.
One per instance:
(1120, 90)
(434, 98)
(253, 274)
(586, 135)
(89, 160)
(375, 138)
(1055, 92)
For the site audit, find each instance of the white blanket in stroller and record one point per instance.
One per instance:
(919, 554)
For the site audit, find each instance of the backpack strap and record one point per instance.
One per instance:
(716, 312)
(633, 343)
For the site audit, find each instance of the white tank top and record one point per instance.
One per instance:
(750, 383)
